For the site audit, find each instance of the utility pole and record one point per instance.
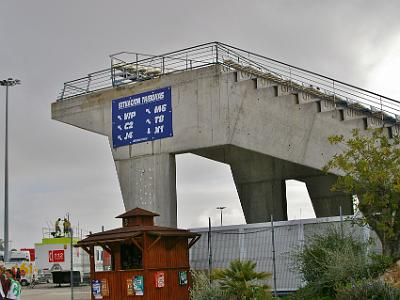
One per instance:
(7, 83)
(209, 250)
(72, 262)
(273, 253)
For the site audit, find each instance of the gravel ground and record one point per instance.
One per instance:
(53, 292)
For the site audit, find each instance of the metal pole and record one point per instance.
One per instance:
(209, 250)
(137, 67)
(273, 252)
(7, 83)
(72, 263)
(334, 93)
(221, 217)
(88, 83)
(341, 221)
(6, 237)
(112, 75)
(63, 90)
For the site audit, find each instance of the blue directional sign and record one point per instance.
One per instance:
(142, 117)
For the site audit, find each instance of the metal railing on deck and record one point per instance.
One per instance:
(128, 67)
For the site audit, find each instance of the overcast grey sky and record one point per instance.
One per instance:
(56, 168)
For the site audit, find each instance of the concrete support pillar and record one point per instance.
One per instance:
(260, 185)
(149, 182)
(261, 199)
(325, 202)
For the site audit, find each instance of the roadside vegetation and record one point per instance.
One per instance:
(238, 282)
(335, 265)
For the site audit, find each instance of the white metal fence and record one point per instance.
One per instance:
(254, 242)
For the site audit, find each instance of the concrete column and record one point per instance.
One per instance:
(259, 180)
(261, 199)
(149, 182)
(325, 202)
(260, 185)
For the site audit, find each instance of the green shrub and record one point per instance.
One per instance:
(368, 289)
(330, 260)
(241, 281)
(202, 289)
(379, 264)
(309, 292)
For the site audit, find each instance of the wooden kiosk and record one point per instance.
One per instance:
(148, 262)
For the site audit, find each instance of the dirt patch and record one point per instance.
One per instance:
(392, 275)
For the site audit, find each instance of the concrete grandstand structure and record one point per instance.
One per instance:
(268, 120)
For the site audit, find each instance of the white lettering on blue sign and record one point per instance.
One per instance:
(143, 117)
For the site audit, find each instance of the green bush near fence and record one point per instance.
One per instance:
(238, 282)
(241, 281)
(332, 261)
(202, 289)
(368, 289)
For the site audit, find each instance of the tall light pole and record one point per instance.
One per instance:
(7, 83)
(221, 208)
(71, 233)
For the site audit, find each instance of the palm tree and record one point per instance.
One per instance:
(240, 281)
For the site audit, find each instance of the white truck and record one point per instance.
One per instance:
(53, 256)
(21, 260)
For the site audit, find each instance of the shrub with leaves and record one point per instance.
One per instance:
(308, 293)
(241, 281)
(202, 289)
(378, 264)
(370, 168)
(368, 290)
(331, 259)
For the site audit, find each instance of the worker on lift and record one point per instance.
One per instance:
(67, 227)
(58, 229)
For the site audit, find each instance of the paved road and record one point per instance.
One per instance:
(50, 292)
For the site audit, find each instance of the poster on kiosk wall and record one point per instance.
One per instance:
(104, 288)
(160, 279)
(183, 277)
(138, 285)
(96, 289)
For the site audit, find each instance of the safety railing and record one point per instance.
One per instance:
(128, 67)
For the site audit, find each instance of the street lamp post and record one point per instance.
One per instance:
(221, 208)
(7, 83)
(71, 233)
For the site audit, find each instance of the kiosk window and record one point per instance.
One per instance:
(131, 257)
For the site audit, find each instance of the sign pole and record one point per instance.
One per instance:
(209, 250)
(6, 237)
(72, 263)
(273, 253)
